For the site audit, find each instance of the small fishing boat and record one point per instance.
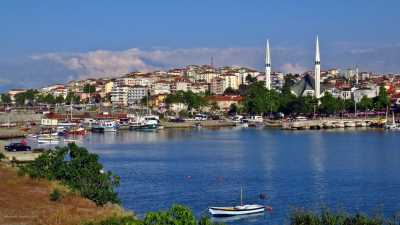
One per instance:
(236, 210)
(147, 123)
(47, 139)
(391, 126)
(77, 131)
(105, 126)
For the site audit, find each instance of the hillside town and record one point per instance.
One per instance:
(221, 85)
(201, 92)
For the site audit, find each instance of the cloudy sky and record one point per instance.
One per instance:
(44, 42)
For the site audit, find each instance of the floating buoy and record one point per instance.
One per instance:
(268, 208)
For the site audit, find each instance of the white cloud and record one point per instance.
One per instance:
(102, 63)
(293, 68)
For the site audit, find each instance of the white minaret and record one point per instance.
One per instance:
(317, 71)
(357, 75)
(267, 67)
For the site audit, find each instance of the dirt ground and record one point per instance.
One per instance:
(24, 201)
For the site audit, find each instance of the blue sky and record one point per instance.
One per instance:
(48, 41)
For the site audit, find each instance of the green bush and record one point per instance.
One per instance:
(176, 215)
(78, 169)
(126, 220)
(2, 156)
(55, 195)
(302, 217)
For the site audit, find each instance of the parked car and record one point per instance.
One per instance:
(17, 147)
(200, 117)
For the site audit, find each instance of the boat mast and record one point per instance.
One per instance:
(241, 195)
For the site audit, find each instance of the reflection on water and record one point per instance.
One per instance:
(349, 169)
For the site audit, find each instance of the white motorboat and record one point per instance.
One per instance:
(47, 139)
(236, 210)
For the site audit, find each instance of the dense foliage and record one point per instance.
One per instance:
(78, 169)
(5, 99)
(176, 215)
(192, 100)
(301, 217)
(25, 97)
(89, 89)
(259, 100)
(2, 156)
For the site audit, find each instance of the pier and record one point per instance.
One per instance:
(330, 123)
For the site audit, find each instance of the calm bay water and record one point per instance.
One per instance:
(349, 169)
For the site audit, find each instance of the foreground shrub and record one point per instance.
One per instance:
(78, 169)
(125, 220)
(177, 214)
(302, 217)
(2, 156)
(55, 195)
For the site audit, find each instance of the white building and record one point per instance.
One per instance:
(133, 81)
(119, 95)
(231, 80)
(368, 92)
(217, 86)
(160, 87)
(136, 94)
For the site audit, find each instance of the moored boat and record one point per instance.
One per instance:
(105, 126)
(236, 210)
(47, 139)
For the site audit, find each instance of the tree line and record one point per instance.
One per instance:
(32, 97)
(259, 100)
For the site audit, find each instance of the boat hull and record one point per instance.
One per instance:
(232, 211)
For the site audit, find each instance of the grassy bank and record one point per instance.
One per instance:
(69, 186)
(24, 200)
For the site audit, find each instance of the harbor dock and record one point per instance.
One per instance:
(191, 124)
(327, 123)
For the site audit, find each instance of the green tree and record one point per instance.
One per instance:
(20, 99)
(289, 81)
(250, 79)
(349, 105)
(259, 100)
(176, 215)
(329, 105)
(303, 105)
(233, 109)
(382, 100)
(30, 95)
(88, 89)
(231, 91)
(49, 99)
(5, 99)
(72, 98)
(78, 169)
(192, 100)
(59, 99)
(365, 104)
